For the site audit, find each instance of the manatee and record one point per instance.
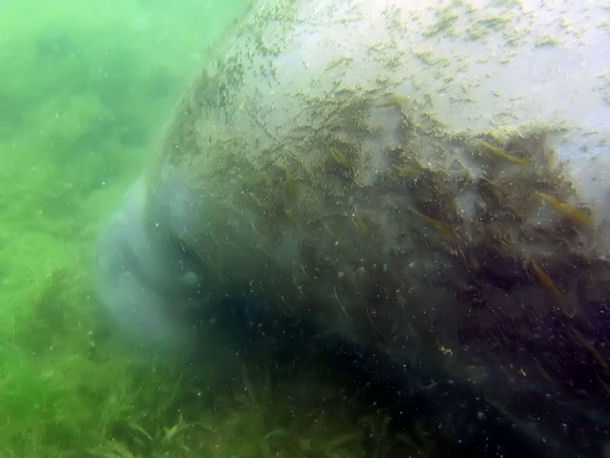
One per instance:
(423, 189)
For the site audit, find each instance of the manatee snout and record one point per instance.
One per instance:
(147, 276)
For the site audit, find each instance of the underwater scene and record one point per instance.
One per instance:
(305, 228)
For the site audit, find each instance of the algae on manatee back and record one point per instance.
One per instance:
(390, 199)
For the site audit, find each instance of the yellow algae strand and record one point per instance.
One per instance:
(589, 346)
(604, 385)
(339, 156)
(292, 188)
(545, 375)
(440, 227)
(549, 284)
(359, 220)
(567, 210)
(546, 281)
(405, 170)
(289, 214)
(393, 100)
(503, 153)
(445, 350)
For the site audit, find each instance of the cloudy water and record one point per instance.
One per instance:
(304, 229)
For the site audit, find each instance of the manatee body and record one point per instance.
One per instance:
(428, 183)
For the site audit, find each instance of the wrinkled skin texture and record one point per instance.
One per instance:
(426, 185)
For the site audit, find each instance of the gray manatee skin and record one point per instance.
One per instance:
(429, 182)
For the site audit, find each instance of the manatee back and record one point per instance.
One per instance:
(431, 183)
